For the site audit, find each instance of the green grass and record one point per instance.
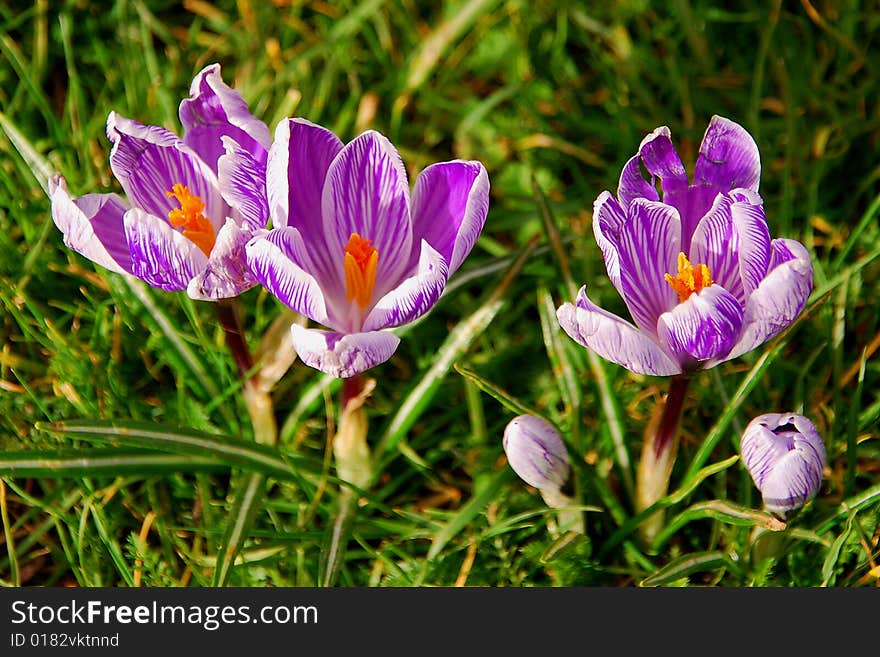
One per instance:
(553, 98)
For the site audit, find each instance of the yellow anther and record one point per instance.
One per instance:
(190, 216)
(689, 278)
(361, 260)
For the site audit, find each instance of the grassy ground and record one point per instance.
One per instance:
(553, 97)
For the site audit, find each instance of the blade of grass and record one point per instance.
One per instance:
(608, 400)
(245, 506)
(113, 548)
(564, 372)
(9, 537)
(467, 513)
(38, 164)
(140, 291)
(722, 510)
(507, 400)
(720, 427)
(867, 218)
(833, 554)
(686, 565)
(858, 501)
(250, 456)
(101, 462)
(852, 427)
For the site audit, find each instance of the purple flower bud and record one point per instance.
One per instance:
(785, 456)
(536, 453)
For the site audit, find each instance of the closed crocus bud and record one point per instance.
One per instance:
(785, 456)
(537, 454)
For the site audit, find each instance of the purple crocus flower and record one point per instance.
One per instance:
(785, 456)
(349, 248)
(176, 232)
(700, 275)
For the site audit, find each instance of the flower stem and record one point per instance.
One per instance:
(668, 428)
(350, 442)
(658, 456)
(256, 395)
(230, 319)
(353, 465)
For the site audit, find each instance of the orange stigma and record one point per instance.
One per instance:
(361, 259)
(190, 215)
(689, 279)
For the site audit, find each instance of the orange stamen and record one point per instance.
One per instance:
(361, 260)
(689, 278)
(190, 215)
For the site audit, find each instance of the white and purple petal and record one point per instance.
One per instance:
(536, 452)
(647, 249)
(414, 297)
(295, 176)
(608, 219)
(733, 241)
(160, 255)
(273, 258)
(366, 192)
(779, 298)
(729, 157)
(449, 205)
(226, 273)
(148, 161)
(658, 155)
(215, 110)
(242, 181)
(343, 355)
(614, 339)
(703, 327)
(92, 225)
(785, 456)
(661, 160)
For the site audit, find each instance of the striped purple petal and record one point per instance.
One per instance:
(92, 225)
(366, 192)
(733, 240)
(703, 327)
(609, 218)
(214, 110)
(343, 355)
(535, 451)
(779, 298)
(614, 339)
(450, 201)
(160, 255)
(242, 182)
(729, 157)
(295, 176)
(647, 249)
(273, 259)
(414, 297)
(226, 273)
(148, 161)
(785, 456)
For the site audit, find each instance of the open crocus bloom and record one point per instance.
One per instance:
(349, 248)
(175, 232)
(701, 277)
